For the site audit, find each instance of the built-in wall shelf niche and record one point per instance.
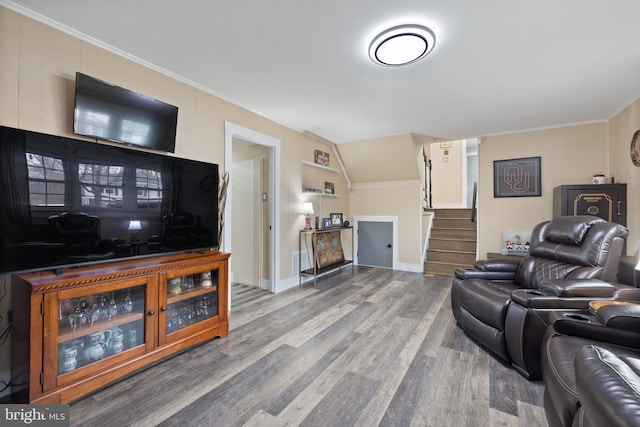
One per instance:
(314, 178)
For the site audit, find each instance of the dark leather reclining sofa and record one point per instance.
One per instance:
(506, 305)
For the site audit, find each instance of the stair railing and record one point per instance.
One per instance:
(427, 180)
(473, 202)
(430, 195)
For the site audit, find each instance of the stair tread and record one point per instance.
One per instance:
(453, 239)
(447, 263)
(466, 218)
(455, 251)
(453, 228)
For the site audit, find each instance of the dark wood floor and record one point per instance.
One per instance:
(376, 348)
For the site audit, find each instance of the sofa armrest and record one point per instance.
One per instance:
(504, 276)
(497, 264)
(490, 269)
(589, 327)
(574, 294)
(593, 288)
(534, 298)
(624, 316)
(627, 293)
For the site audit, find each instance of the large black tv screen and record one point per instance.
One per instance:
(112, 113)
(68, 202)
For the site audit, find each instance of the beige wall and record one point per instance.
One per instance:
(37, 73)
(569, 155)
(447, 175)
(387, 176)
(402, 200)
(382, 159)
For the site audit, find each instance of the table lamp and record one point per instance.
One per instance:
(308, 211)
(134, 227)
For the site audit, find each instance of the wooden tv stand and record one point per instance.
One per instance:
(89, 326)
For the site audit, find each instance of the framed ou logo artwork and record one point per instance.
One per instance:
(517, 177)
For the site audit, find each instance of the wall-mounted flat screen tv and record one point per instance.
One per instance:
(67, 202)
(109, 112)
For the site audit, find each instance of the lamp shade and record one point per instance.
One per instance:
(308, 208)
(134, 225)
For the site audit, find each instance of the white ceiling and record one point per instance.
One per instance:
(498, 65)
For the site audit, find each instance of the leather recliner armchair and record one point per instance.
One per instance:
(591, 368)
(78, 230)
(183, 230)
(504, 304)
(80, 233)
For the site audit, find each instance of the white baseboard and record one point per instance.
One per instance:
(413, 268)
(286, 284)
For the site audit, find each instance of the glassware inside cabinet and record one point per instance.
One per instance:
(191, 298)
(190, 311)
(192, 282)
(96, 326)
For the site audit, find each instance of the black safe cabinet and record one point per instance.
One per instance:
(607, 201)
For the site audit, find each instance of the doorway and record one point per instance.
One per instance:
(249, 210)
(233, 225)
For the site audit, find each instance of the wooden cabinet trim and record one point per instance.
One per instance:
(47, 281)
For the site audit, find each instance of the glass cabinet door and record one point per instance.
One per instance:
(99, 325)
(191, 298)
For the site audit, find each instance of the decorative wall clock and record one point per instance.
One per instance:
(635, 148)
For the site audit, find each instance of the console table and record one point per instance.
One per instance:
(315, 270)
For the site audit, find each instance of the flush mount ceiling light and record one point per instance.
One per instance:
(402, 45)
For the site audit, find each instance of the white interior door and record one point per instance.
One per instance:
(246, 212)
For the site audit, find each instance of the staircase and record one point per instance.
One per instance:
(452, 243)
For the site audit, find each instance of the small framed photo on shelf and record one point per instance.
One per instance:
(336, 219)
(326, 223)
(321, 158)
(329, 188)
